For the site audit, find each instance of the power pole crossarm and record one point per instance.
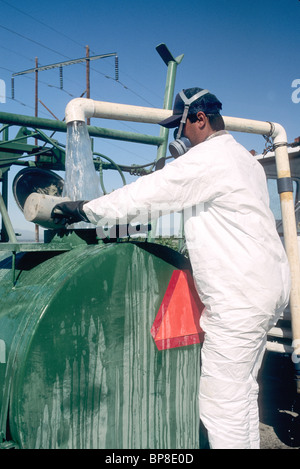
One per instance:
(63, 64)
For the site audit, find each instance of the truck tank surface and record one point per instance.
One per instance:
(79, 367)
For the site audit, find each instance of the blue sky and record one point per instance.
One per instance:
(247, 53)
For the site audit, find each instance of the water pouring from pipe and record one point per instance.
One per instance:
(81, 179)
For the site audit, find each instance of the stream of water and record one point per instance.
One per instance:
(81, 179)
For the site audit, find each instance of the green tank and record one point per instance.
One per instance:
(79, 367)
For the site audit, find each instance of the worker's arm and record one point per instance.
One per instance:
(187, 181)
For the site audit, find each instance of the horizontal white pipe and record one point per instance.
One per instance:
(79, 109)
(279, 348)
(247, 125)
(282, 332)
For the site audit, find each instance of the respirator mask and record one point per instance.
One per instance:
(181, 144)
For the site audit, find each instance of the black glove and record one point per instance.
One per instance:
(69, 212)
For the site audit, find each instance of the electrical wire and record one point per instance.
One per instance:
(41, 22)
(14, 52)
(71, 39)
(32, 40)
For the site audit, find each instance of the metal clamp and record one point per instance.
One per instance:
(284, 185)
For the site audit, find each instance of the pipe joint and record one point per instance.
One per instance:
(79, 109)
(278, 134)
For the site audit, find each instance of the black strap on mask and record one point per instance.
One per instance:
(187, 103)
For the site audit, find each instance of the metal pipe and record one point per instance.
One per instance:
(6, 220)
(4, 177)
(79, 109)
(168, 99)
(279, 348)
(163, 132)
(247, 125)
(290, 237)
(60, 126)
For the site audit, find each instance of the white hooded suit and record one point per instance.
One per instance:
(239, 265)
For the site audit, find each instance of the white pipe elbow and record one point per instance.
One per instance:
(278, 133)
(79, 109)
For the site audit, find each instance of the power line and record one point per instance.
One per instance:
(53, 29)
(17, 53)
(56, 52)
(41, 22)
(46, 47)
(32, 40)
(75, 42)
(24, 104)
(71, 39)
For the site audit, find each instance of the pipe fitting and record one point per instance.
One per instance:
(79, 109)
(278, 133)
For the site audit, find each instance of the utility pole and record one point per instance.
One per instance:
(37, 231)
(36, 87)
(88, 121)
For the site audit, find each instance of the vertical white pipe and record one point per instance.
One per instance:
(290, 234)
(278, 134)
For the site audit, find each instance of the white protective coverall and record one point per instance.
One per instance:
(239, 265)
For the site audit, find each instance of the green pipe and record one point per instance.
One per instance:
(7, 222)
(18, 139)
(4, 127)
(168, 101)
(172, 64)
(4, 193)
(115, 165)
(59, 126)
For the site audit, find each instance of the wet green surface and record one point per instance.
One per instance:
(81, 368)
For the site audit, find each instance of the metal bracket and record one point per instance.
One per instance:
(284, 185)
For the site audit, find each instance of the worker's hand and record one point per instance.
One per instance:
(69, 212)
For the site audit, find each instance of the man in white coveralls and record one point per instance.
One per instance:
(239, 265)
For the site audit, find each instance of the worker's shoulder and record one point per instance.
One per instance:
(220, 138)
(217, 144)
(223, 142)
